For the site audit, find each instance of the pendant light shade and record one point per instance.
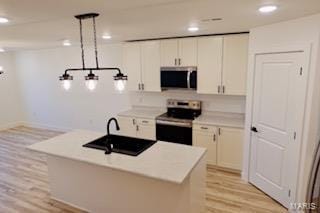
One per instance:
(66, 81)
(91, 79)
(1, 70)
(120, 82)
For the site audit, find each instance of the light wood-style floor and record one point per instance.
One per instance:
(24, 183)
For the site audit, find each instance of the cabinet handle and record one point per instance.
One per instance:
(175, 62)
(179, 61)
(219, 131)
(214, 137)
(142, 86)
(219, 89)
(204, 127)
(134, 121)
(145, 122)
(223, 89)
(139, 86)
(137, 128)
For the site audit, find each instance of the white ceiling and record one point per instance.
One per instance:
(45, 23)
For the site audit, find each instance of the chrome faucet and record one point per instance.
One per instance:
(108, 142)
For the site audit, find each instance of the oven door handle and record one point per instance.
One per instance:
(173, 123)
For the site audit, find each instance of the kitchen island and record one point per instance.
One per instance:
(166, 177)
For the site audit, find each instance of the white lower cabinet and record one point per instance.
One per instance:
(127, 126)
(229, 149)
(137, 127)
(207, 138)
(223, 144)
(146, 129)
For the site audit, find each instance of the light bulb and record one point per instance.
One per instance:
(268, 8)
(120, 85)
(91, 84)
(66, 84)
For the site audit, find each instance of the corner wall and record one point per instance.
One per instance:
(10, 103)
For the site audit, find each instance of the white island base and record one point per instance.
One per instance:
(166, 178)
(102, 190)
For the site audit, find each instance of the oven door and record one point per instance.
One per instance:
(175, 132)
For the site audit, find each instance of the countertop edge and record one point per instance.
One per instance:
(123, 170)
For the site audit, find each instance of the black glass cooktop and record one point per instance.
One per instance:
(121, 144)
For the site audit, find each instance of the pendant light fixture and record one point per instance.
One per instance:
(92, 79)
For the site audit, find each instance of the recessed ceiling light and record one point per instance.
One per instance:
(3, 20)
(106, 37)
(193, 29)
(268, 8)
(66, 43)
(2, 50)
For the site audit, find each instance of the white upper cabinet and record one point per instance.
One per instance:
(178, 52)
(222, 64)
(187, 52)
(132, 65)
(209, 65)
(150, 60)
(142, 63)
(235, 60)
(169, 52)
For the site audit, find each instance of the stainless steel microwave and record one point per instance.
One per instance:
(179, 78)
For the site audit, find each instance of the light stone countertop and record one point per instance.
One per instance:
(143, 112)
(221, 119)
(163, 161)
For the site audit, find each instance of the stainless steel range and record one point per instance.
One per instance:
(176, 124)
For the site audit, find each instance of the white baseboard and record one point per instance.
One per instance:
(69, 204)
(11, 125)
(45, 126)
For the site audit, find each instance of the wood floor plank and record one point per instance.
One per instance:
(24, 185)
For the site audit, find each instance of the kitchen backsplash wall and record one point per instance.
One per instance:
(221, 103)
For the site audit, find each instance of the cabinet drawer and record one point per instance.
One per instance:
(146, 122)
(204, 128)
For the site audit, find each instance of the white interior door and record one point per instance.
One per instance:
(279, 97)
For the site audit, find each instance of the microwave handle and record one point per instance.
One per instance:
(189, 79)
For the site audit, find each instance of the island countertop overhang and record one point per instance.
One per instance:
(163, 161)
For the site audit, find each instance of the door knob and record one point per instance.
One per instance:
(254, 129)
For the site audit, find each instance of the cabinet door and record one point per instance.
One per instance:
(146, 129)
(208, 140)
(209, 65)
(127, 126)
(132, 65)
(235, 60)
(169, 52)
(150, 55)
(188, 52)
(230, 142)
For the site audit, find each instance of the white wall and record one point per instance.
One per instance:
(46, 103)
(10, 105)
(305, 32)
